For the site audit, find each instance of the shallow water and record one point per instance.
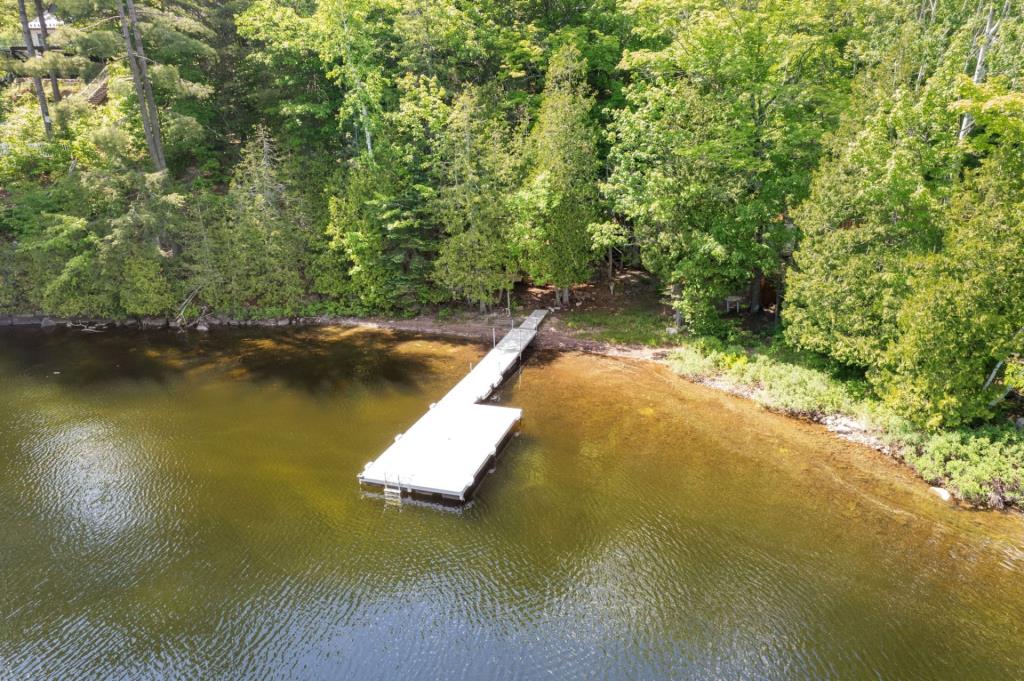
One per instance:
(186, 507)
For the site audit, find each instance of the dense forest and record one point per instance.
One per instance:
(255, 158)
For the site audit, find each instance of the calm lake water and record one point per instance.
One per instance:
(175, 506)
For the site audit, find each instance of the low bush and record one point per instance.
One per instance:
(984, 466)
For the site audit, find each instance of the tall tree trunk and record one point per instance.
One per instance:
(364, 114)
(677, 316)
(37, 82)
(778, 297)
(136, 63)
(44, 34)
(755, 294)
(147, 86)
(133, 66)
(611, 271)
(367, 134)
(926, 15)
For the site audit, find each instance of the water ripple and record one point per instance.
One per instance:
(199, 519)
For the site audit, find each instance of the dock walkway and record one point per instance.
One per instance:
(447, 450)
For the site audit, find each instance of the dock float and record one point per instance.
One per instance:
(446, 452)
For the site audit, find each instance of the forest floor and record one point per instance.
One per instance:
(627, 320)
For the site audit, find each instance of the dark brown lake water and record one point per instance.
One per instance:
(176, 506)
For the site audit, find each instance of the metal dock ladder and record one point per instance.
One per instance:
(392, 492)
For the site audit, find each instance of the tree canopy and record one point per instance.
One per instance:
(862, 158)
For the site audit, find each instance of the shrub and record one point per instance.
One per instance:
(984, 466)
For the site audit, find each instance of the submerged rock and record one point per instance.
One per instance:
(941, 493)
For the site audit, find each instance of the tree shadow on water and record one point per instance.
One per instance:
(313, 359)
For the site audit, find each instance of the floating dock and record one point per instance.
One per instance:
(446, 452)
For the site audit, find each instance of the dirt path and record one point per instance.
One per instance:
(553, 336)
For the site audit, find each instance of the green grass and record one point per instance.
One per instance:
(793, 382)
(627, 327)
(983, 466)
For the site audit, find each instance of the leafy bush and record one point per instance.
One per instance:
(984, 466)
(787, 386)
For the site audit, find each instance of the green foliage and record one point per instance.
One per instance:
(559, 199)
(380, 238)
(719, 138)
(143, 288)
(285, 79)
(912, 236)
(871, 215)
(255, 256)
(984, 467)
(8, 276)
(793, 382)
(481, 167)
(969, 295)
(360, 232)
(383, 221)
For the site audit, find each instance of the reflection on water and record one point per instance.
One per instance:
(186, 507)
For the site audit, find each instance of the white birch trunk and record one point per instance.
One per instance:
(988, 36)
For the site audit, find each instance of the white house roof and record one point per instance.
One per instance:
(51, 22)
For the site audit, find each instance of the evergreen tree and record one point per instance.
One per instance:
(480, 171)
(968, 294)
(382, 221)
(559, 198)
(255, 262)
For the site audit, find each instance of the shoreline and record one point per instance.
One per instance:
(468, 329)
(841, 426)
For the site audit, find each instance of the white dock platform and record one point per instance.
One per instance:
(446, 451)
(489, 373)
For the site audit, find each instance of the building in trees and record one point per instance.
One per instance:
(35, 28)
